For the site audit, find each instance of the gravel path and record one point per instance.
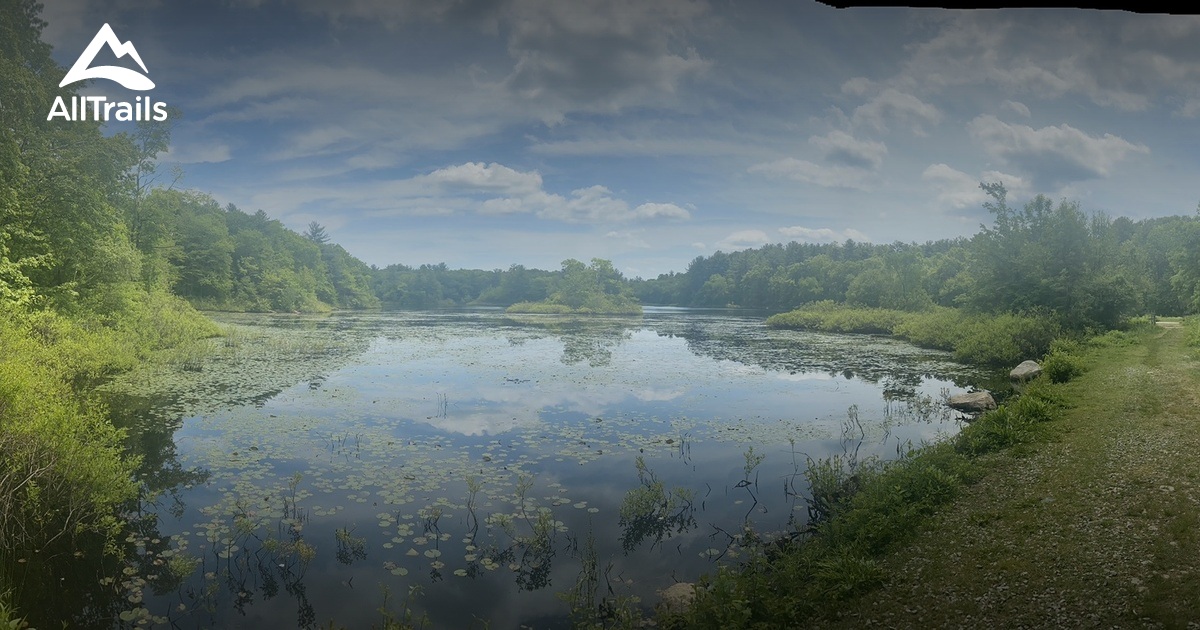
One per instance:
(1098, 527)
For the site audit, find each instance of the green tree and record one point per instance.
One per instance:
(316, 233)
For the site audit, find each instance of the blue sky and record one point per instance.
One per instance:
(483, 133)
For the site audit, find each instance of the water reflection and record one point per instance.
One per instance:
(498, 461)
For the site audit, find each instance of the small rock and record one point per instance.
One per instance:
(973, 402)
(1025, 371)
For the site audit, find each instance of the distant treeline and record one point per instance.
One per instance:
(1089, 270)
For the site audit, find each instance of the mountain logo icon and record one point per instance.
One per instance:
(130, 79)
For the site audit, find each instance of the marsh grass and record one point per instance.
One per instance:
(1005, 339)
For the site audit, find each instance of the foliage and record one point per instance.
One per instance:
(9, 619)
(1192, 330)
(224, 259)
(61, 465)
(597, 289)
(1061, 367)
(988, 339)
(1083, 271)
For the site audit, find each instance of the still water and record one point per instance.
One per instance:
(311, 466)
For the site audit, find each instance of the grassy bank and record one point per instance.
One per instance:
(987, 339)
(62, 468)
(1075, 505)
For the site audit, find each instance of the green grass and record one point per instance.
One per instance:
(1081, 516)
(1001, 340)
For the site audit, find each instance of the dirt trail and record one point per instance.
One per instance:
(1097, 527)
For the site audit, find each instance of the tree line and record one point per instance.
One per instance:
(1089, 270)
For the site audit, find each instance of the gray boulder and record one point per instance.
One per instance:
(1025, 371)
(973, 402)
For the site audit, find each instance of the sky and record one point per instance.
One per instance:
(486, 133)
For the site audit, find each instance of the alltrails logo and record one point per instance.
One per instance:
(99, 106)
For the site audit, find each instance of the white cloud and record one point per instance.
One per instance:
(892, 105)
(1051, 155)
(822, 235)
(1018, 107)
(958, 190)
(660, 211)
(496, 189)
(487, 177)
(743, 239)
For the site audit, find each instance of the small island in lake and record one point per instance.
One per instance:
(595, 289)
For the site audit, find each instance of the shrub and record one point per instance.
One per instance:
(1033, 409)
(1061, 367)
(995, 430)
(1191, 327)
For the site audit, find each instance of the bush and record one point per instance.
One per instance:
(1033, 409)
(993, 431)
(1061, 367)
(61, 465)
(1191, 327)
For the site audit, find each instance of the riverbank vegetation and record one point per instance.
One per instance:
(104, 261)
(1003, 339)
(866, 517)
(1085, 271)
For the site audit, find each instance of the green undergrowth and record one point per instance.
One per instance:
(62, 468)
(1191, 327)
(861, 511)
(1005, 339)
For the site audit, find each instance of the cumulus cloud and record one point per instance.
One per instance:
(848, 163)
(743, 239)
(501, 190)
(958, 190)
(822, 235)
(490, 177)
(1052, 155)
(892, 105)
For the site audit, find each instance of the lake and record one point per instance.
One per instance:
(484, 469)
